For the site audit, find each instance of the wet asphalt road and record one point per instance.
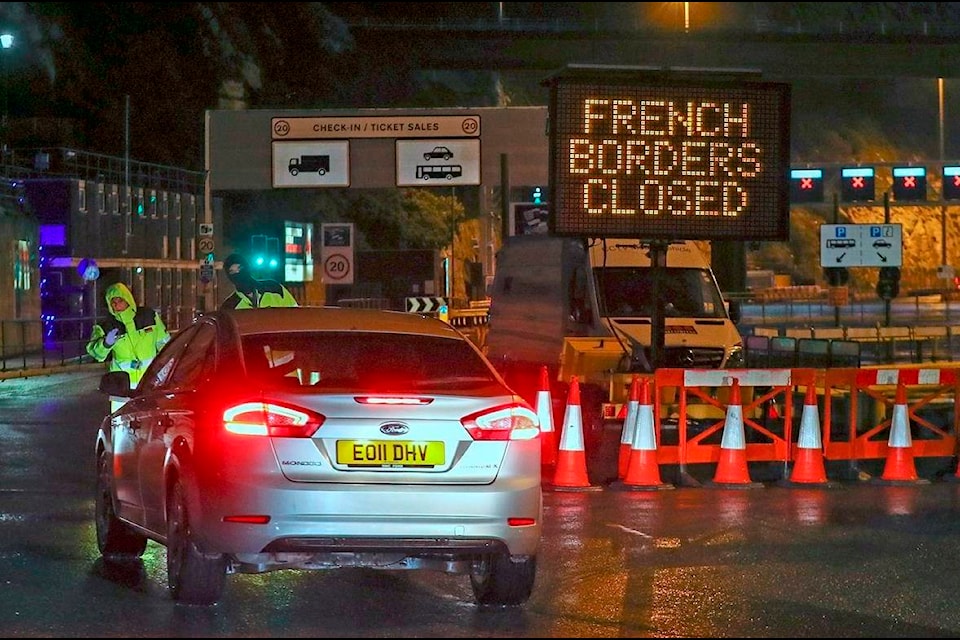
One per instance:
(858, 560)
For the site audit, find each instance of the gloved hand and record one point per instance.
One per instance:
(111, 337)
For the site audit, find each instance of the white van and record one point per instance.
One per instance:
(547, 289)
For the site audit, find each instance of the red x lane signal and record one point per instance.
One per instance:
(806, 185)
(856, 184)
(951, 183)
(910, 184)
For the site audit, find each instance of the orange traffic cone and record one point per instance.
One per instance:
(571, 471)
(899, 467)
(772, 412)
(629, 426)
(548, 436)
(643, 470)
(732, 465)
(808, 466)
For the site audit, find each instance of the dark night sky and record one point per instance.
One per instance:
(78, 60)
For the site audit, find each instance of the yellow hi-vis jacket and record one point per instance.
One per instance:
(141, 335)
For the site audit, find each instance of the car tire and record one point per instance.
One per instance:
(502, 579)
(192, 577)
(294, 172)
(114, 538)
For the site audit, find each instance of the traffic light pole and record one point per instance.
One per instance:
(886, 220)
(836, 220)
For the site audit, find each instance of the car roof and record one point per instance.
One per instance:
(293, 319)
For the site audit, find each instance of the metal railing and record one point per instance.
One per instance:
(27, 344)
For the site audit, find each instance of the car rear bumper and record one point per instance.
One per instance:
(318, 517)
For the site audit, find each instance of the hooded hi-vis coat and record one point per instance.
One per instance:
(140, 337)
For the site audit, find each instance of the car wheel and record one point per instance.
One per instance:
(294, 172)
(192, 577)
(503, 579)
(114, 538)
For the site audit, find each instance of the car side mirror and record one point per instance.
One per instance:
(734, 311)
(116, 383)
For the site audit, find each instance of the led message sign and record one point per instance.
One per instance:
(672, 156)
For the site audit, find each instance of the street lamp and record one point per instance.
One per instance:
(6, 42)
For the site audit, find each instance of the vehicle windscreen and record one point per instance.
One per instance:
(367, 362)
(686, 293)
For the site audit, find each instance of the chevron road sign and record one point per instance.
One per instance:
(425, 304)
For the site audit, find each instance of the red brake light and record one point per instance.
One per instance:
(270, 419)
(392, 400)
(508, 422)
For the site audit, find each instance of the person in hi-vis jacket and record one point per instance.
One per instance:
(130, 338)
(253, 293)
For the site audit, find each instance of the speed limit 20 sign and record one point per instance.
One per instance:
(336, 253)
(336, 269)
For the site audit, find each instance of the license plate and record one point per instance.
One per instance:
(389, 453)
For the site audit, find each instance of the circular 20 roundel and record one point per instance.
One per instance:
(336, 267)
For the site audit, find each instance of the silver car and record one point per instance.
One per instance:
(321, 438)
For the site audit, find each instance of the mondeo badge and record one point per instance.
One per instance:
(394, 429)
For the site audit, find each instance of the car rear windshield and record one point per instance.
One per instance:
(367, 361)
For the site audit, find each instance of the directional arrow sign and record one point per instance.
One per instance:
(425, 304)
(861, 245)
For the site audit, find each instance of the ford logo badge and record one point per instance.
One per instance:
(394, 429)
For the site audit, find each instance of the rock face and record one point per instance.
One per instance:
(923, 243)
(797, 262)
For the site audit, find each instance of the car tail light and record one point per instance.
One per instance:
(508, 422)
(270, 419)
(521, 522)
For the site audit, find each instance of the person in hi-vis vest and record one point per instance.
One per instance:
(253, 293)
(130, 338)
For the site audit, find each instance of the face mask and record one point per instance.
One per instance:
(242, 280)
